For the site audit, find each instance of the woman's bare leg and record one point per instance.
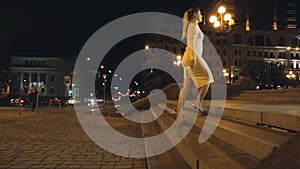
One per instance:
(184, 92)
(202, 92)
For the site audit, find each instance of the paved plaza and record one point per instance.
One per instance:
(54, 139)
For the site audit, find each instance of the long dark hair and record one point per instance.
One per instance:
(191, 12)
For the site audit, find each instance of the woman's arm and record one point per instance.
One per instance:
(191, 41)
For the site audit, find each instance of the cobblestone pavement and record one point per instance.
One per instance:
(53, 139)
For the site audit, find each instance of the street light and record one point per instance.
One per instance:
(177, 62)
(104, 77)
(291, 75)
(223, 23)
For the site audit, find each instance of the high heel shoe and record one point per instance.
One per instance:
(175, 113)
(197, 107)
(200, 110)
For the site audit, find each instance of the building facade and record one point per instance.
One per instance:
(45, 73)
(243, 48)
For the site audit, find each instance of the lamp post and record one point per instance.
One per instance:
(104, 77)
(222, 23)
(292, 77)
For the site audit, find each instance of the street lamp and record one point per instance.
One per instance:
(147, 47)
(177, 62)
(226, 75)
(104, 77)
(223, 23)
(291, 75)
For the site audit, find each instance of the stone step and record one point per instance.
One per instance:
(278, 119)
(276, 94)
(247, 116)
(254, 140)
(291, 90)
(266, 101)
(270, 99)
(212, 154)
(273, 119)
(170, 159)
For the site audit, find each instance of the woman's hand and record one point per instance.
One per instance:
(192, 63)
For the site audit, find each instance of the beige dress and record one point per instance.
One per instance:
(193, 63)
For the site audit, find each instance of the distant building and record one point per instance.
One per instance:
(46, 73)
(290, 14)
(244, 48)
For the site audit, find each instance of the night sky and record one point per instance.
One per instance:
(60, 28)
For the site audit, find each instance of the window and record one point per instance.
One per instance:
(281, 41)
(235, 52)
(254, 53)
(52, 78)
(295, 42)
(43, 78)
(51, 90)
(248, 53)
(34, 78)
(291, 55)
(25, 79)
(25, 89)
(259, 40)
(237, 38)
(43, 91)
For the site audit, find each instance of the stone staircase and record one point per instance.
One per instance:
(242, 139)
(290, 96)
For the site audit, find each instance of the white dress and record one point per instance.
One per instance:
(196, 67)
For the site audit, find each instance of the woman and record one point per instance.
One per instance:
(195, 69)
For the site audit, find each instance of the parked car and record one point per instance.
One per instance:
(20, 102)
(269, 86)
(56, 101)
(71, 101)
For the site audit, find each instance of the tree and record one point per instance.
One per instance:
(269, 74)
